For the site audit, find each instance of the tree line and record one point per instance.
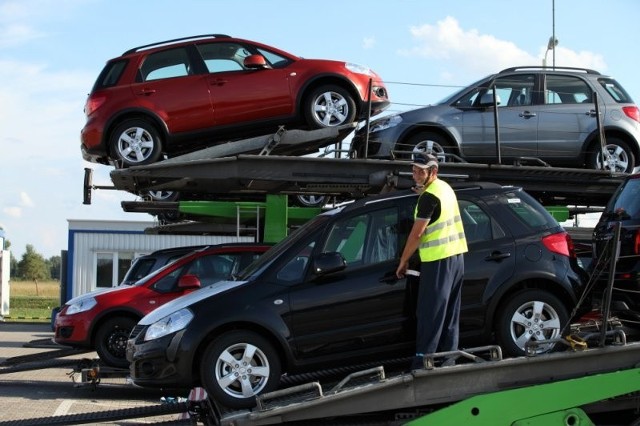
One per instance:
(33, 266)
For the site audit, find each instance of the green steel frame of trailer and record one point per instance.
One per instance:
(556, 403)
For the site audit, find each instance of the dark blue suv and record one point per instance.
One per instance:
(623, 210)
(327, 296)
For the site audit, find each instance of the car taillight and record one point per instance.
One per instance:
(560, 243)
(93, 103)
(632, 112)
(636, 243)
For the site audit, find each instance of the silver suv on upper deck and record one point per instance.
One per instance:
(543, 113)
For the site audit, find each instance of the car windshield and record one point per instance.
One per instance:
(263, 261)
(146, 278)
(625, 203)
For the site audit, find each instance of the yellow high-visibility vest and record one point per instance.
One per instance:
(444, 237)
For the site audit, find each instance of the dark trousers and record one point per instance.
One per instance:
(438, 307)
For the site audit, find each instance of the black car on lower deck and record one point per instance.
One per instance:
(623, 211)
(327, 296)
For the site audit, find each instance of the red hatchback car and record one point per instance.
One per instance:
(176, 96)
(103, 319)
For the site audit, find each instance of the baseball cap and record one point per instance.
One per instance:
(424, 160)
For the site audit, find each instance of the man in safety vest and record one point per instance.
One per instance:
(438, 235)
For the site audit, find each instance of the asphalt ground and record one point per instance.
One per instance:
(51, 393)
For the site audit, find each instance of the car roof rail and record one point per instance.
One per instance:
(458, 186)
(175, 40)
(539, 67)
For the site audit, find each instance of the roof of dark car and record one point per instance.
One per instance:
(457, 186)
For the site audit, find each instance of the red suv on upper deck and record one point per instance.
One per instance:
(178, 95)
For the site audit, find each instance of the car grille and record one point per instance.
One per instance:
(137, 330)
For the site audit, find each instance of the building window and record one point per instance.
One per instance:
(111, 267)
(104, 269)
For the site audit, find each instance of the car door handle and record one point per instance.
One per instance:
(390, 278)
(497, 256)
(219, 82)
(591, 113)
(527, 114)
(147, 92)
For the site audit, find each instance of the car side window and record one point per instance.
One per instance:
(294, 269)
(365, 239)
(166, 64)
(477, 223)
(169, 282)
(564, 89)
(223, 57)
(276, 61)
(515, 90)
(211, 269)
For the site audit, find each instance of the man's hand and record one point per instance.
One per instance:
(402, 269)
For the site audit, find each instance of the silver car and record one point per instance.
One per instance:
(544, 115)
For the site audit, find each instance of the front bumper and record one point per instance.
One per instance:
(157, 363)
(72, 330)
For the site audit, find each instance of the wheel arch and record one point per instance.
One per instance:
(322, 80)
(532, 283)
(133, 114)
(430, 127)
(269, 335)
(616, 132)
(106, 316)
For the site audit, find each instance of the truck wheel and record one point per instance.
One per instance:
(111, 341)
(620, 156)
(136, 142)
(237, 366)
(329, 106)
(531, 315)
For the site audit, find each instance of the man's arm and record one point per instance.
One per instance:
(413, 242)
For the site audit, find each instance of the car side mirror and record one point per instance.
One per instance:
(327, 263)
(256, 62)
(188, 281)
(486, 100)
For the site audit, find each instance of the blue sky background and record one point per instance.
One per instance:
(51, 51)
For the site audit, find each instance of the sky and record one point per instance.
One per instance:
(51, 52)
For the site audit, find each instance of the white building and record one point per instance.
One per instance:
(100, 252)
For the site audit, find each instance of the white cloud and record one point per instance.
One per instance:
(25, 200)
(368, 42)
(479, 54)
(11, 211)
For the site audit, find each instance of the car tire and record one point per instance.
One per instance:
(235, 385)
(530, 315)
(430, 142)
(111, 341)
(623, 158)
(135, 143)
(329, 106)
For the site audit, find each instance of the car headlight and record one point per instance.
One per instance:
(169, 324)
(358, 69)
(81, 306)
(385, 123)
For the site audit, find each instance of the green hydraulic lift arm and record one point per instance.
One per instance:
(555, 403)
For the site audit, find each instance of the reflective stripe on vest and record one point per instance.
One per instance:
(444, 237)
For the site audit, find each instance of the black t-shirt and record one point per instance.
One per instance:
(428, 207)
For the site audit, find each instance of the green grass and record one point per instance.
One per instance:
(31, 303)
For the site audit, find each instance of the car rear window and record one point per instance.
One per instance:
(625, 203)
(110, 74)
(615, 90)
(527, 211)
